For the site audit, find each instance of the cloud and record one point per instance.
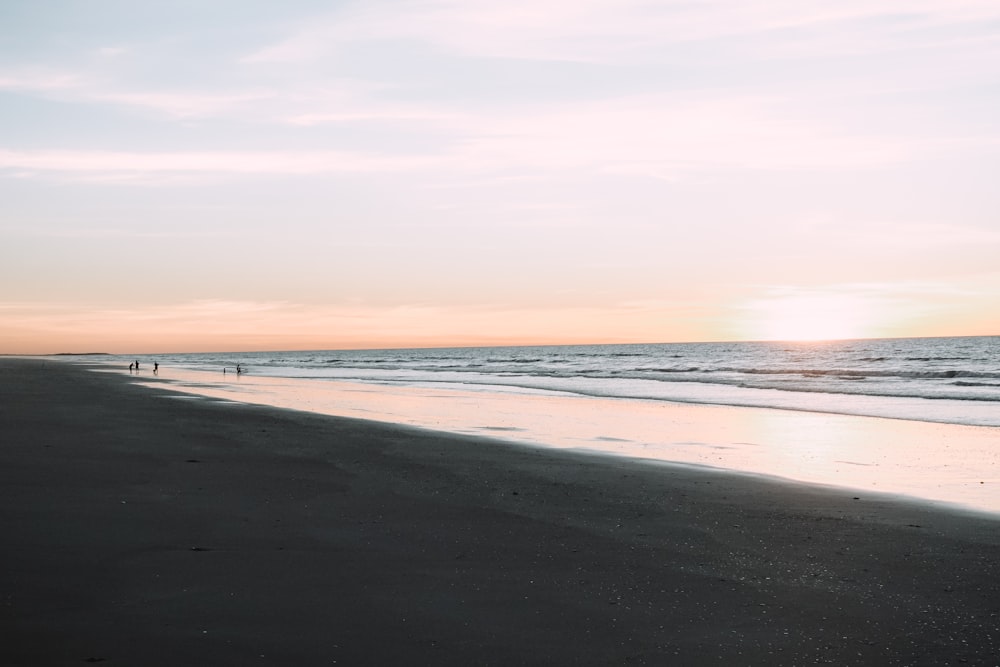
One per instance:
(41, 80)
(913, 236)
(264, 100)
(379, 113)
(665, 135)
(619, 31)
(185, 104)
(81, 87)
(112, 51)
(676, 134)
(680, 129)
(961, 35)
(235, 162)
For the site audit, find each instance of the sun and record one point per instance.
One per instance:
(810, 317)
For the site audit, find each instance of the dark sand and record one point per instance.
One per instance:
(142, 528)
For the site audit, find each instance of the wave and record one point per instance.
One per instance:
(964, 370)
(848, 372)
(690, 369)
(936, 359)
(515, 361)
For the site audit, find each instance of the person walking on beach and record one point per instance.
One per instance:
(156, 368)
(136, 365)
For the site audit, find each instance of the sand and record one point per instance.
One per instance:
(142, 527)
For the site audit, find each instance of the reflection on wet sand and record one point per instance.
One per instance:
(940, 462)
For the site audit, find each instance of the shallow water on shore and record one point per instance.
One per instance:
(947, 463)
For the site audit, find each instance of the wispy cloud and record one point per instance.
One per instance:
(654, 135)
(307, 80)
(908, 237)
(41, 80)
(677, 133)
(630, 30)
(249, 162)
(357, 112)
(261, 100)
(88, 88)
(186, 104)
(324, 80)
(115, 234)
(112, 51)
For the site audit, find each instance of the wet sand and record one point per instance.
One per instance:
(953, 464)
(148, 528)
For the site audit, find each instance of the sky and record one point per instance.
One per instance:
(249, 175)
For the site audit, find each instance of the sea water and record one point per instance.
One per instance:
(948, 380)
(913, 417)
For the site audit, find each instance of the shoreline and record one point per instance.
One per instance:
(143, 529)
(953, 465)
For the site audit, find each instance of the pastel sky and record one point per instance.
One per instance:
(241, 174)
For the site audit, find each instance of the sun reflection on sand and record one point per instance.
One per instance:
(940, 462)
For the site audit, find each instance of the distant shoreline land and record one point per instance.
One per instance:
(80, 354)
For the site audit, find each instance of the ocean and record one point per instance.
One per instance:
(947, 380)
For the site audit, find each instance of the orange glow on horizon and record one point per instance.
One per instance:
(248, 326)
(243, 326)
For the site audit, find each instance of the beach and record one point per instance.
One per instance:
(148, 527)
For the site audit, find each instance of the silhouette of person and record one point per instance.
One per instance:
(136, 365)
(156, 368)
(131, 365)
(239, 371)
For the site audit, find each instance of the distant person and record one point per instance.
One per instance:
(156, 368)
(239, 370)
(131, 366)
(136, 365)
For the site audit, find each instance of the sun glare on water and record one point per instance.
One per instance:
(810, 318)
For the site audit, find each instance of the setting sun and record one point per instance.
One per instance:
(811, 317)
